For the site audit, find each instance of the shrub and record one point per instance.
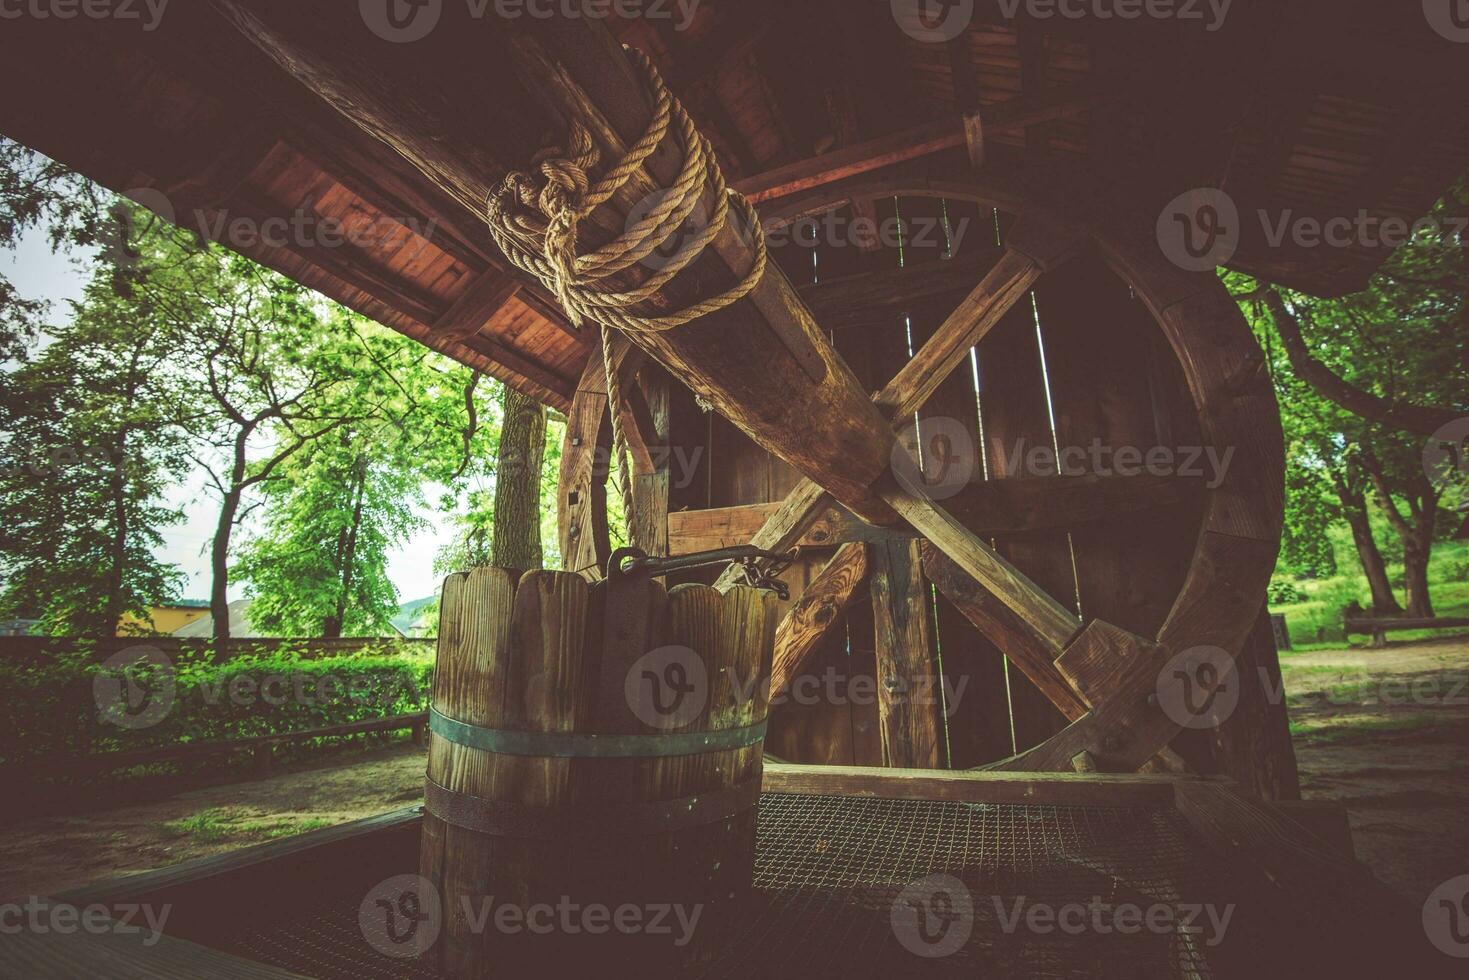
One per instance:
(53, 710)
(1283, 592)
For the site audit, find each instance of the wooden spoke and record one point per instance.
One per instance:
(1047, 242)
(1052, 622)
(817, 612)
(1020, 645)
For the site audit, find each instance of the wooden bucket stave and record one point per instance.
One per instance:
(551, 654)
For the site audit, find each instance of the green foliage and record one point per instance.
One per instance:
(53, 703)
(1282, 591)
(88, 447)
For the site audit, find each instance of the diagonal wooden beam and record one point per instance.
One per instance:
(1035, 658)
(817, 613)
(1037, 243)
(1052, 622)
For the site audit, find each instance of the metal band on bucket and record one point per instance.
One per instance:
(578, 745)
(504, 819)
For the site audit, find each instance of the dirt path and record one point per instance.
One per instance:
(1384, 732)
(44, 856)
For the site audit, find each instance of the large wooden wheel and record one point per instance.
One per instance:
(1104, 679)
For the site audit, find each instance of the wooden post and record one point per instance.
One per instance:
(909, 691)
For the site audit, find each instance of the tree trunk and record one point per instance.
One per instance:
(113, 605)
(347, 555)
(1354, 509)
(1416, 553)
(219, 603)
(219, 558)
(1416, 528)
(517, 541)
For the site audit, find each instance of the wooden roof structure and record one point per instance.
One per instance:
(1310, 108)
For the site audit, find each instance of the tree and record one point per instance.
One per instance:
(1360, 377)
(91, 449)
(333, 510)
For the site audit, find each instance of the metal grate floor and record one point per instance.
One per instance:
(856, 888)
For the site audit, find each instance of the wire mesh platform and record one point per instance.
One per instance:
(848, 887)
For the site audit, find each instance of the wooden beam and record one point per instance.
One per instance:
(816, 613)
(724, 527)
(797, 399)
(970, 786)
(485, 297)
(909, 702)
(581, 510)
(989, 508)
(1052, 622)
(920, 141)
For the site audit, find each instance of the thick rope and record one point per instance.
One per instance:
(536, 218)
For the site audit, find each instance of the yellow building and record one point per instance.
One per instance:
(166, 618)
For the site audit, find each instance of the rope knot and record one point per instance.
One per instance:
(535, 219)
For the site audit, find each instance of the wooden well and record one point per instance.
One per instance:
(594, 747)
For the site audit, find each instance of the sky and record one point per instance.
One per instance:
(40, 274)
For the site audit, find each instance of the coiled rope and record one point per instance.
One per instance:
(535, 219)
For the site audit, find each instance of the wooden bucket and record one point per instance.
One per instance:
(596, 750)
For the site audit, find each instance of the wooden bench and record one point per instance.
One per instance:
(1379, 628)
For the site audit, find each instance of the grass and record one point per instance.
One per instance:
(1316, 622)
(1335, 731)
(211, 826)
(204, 826)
